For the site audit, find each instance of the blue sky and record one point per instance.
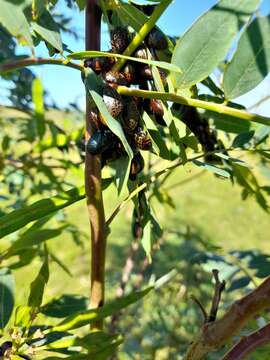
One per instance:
(65, 85)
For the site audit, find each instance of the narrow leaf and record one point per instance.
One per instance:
(47, 28)
(38, 285)
(212, 168)
(65, 306)
(147, 239)
(7, 289)
(251, 61)
(160, 64)
(21, 217)
(31, 239)
(87, 317)
(14, 20)
(207, 42)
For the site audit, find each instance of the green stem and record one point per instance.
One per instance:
(218, 108)
(18, 64)
(143, 32)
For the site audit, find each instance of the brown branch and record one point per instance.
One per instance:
(213, 335)
(200, 306)
(219, 287)
(249, 344)
(93, 179)
(33, 61)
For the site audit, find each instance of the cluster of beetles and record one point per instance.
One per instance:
(129, 110)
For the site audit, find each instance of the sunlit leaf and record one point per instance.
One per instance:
(89, 316)
(47, 28)
(7, 289)
(89, 54)
(215, 169)
(208, 40)
(14, 20)
(251, 61)
(65, 306)
(38, 285)
(21, 217)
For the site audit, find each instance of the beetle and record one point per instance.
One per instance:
(100, 141)
(113, 101)
(131, 116)
(137, 165)
(142, 140)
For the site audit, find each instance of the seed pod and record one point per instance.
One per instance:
(98, 64)
(131, 116)
(115, 78)
(137, 165)
(129, 73)
(100, 141)
(113, 101)
(142, 140)
(157, 40)
(141, 53)
(119, 39)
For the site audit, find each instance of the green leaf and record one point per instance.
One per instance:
(239, 283)
(228, 123)
(159, 144)
(212, 168)
(65, 306)
(94, 342)
(81, 4)
(7, 289)
(38, 285)
(14, 20)
(23, 316)
(21, 217)
(129, 14)
(37, 95)
(242, 139)
(32, 238)
(88, 54)
(251, 61)
(38, 7)
(147, 239)
(47, 28)
(207, 42)
(89, 316)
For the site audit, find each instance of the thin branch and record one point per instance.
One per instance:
(219, 108)
(214, 335)
(93, 184)
(200, 306)
(125, 201)
(33, 61)
(219, 287)
(249, 344)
